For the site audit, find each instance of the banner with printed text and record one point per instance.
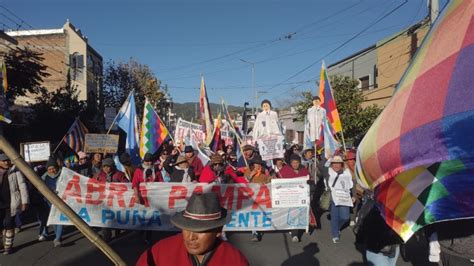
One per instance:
(114, 205)
(185, 130)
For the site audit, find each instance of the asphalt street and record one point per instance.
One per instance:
(275, 248)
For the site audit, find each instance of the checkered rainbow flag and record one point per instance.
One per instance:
(153, 132)
(418, 156)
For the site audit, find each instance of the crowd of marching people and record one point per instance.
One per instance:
(332, 183)
(172, 164)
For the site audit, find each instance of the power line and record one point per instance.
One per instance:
(287, 36)
(343, 44)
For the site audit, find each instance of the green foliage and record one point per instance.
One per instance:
(25, 73)
(356, 120)
(54, 112)
(121, 78)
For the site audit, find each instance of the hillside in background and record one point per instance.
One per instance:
(187, 111)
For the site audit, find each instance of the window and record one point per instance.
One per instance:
(376, 75)
(76, 63)
(290, 135)
(364, 83)
(300, 137)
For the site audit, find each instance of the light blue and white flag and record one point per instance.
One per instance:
(127, 120)
(330, 143)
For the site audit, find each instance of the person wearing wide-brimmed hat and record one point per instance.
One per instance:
(199, 242)
(257, 173)
(248, 153)
(340, 185)
(193, 160)
(214, 171)
(179, 170)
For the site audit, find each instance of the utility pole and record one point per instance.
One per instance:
(254, 110)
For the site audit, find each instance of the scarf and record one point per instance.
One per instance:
(186, 176)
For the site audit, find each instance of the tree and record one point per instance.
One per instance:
(25, 72)
(355, 119)
(54, 112)
(121, 78)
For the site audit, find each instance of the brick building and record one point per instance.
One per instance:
(65, 50)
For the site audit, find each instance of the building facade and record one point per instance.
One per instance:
(65, 51)
(380, 67)
(294, 129)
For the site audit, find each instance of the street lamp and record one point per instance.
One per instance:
(253, 84)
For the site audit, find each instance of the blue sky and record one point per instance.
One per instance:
(181, 39)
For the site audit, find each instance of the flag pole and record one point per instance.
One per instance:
(51, 196)
(60, 142)
(343, 142)
(239, 140)
(116, 116)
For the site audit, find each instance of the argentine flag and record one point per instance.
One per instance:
(127, 120)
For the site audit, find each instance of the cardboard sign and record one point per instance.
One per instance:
(101, 143)
(114, 205)
(290, 192)
(271, 147)
(35, 151)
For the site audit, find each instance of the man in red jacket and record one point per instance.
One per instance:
(194, 162)
(199, 243)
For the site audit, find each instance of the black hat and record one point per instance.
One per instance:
(247, 147)
(316, 98)
(266, 101)
(203, 213)
(3, 156)
(108, 162)
(257, 160)
(188, 149)
(52, 162)
(295, 157)
(125, 159)
(148, 157)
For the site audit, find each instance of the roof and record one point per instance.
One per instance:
(353, 55)
(19, 33)
(383, 41)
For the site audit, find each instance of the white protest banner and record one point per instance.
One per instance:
(114, 205)
(271, 147)
(341, 197)
(101, 143)
(290, 192)
(35, 151)
(185, 129)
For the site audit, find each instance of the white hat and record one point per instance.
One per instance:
(337, 159)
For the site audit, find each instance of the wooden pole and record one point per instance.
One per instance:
(93, 237)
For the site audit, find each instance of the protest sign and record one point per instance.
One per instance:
(290, 192)
(101, 143)
(186, 130)
(271, 147)
(341, 197)
(35, 151)
(249, 206)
